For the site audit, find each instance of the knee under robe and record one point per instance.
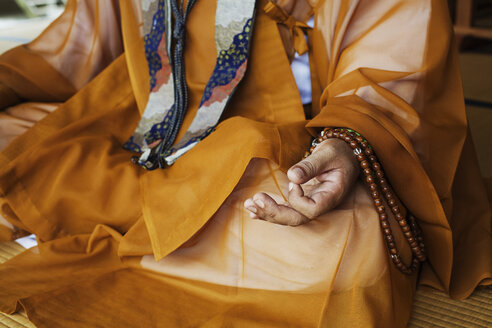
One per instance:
(124, 247)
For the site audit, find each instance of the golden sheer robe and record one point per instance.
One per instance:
(125, 247)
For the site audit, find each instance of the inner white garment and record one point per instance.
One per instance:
(302, 74)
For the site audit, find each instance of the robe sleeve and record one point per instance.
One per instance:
(393, 76)
(65, 57)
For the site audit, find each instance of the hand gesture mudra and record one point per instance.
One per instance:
(317, 184)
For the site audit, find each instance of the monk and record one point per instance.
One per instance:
(155, 150)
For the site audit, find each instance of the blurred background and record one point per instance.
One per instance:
(22, 20)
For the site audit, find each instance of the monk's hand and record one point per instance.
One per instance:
(317, 184)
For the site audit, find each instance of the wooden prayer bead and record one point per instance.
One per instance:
(377, 183)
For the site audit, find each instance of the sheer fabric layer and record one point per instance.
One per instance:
(68, 180)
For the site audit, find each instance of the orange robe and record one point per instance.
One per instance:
(124, 247)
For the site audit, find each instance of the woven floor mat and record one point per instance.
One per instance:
(19, 320)
(431, 308)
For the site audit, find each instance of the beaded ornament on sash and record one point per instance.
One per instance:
(233, 29)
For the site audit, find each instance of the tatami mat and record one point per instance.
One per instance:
(435, 309)
(431, 308)
(7, 251)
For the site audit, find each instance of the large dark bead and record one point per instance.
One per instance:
(368, 151)
(373, 187)
(379, 174)
(405, 228)
(360, 157)
(391, 202)
(384, 224)
(376, 166)
(367, 171)
(380, 209)
(378, 202)
(382, 216)
(364, 164)
(373, 159)
(387, 231)
(395, 209)
(389, 238)
(353, 144)
(369, 179)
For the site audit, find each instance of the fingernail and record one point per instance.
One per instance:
(291, 185)
(299, 172)
(260, 203)
(252, 215)
(252, 209)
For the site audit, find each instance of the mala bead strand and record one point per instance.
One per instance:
(379, 190)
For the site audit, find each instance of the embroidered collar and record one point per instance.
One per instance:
(233, 30)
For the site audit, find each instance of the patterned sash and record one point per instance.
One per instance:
(233, 30)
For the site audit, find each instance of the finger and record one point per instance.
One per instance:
(319, 200)
(328, 155)
(251, 207)
(308, 168)
(267, 209)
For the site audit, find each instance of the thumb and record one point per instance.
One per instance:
(308, 168)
